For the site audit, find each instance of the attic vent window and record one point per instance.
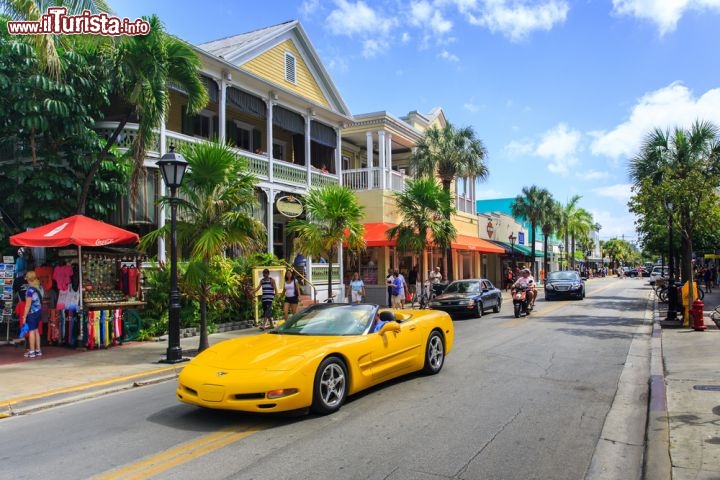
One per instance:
(289, 67)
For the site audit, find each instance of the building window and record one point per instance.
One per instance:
(290, 67)
(279, 149)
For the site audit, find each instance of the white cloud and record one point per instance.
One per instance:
(620, 192)
(308, 7)
(425, 15)
(560, 145)
(615, 225)
(358, 19)
(471, 107)
(515, 19)
(482, 193)
(592, 175)
(666, 108)
(665, 14)
(451, 57)
(518, 148)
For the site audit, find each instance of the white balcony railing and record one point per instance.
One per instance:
(258, 165)
(359, 179)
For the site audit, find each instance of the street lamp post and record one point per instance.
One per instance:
(561, 247)
(512, 250)
(672, 289)
(172, 166)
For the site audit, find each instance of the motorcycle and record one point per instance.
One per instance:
(520, 300)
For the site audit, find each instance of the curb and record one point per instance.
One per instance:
(64, 396)
(657, 464)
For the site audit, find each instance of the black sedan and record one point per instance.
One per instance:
(469, 297)
(565, 283)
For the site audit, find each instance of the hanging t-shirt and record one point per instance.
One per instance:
(62, 275)
(124, 279)
(45, 275)
(133, 274)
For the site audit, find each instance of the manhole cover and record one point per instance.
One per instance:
(713, 388)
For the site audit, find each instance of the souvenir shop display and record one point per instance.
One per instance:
(7, 276)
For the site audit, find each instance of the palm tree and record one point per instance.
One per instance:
(333, 215)
(45, 45)
(449, 153)
(531, 206)
(145, 65)
(213, 215)
(683, 169)
(424, 208)
(549, 223)
(575, 222)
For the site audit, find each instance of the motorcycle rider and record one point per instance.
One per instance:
(527, 280)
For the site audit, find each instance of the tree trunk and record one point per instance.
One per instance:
(82, 201)
(204, 344)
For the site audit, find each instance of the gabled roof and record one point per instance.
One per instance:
(239, 49)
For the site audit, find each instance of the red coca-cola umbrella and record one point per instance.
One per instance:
(76, 230)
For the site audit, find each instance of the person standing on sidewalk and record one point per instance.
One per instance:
(33, 313)
(269, 290)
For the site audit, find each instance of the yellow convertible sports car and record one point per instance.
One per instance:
(317, 358)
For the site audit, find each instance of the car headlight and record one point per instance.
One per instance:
(549, 286)
(576, 286)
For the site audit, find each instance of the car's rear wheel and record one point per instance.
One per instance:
(434, 353)
(330, 388)
(496, 308)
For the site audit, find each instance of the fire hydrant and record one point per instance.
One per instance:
(696, 312)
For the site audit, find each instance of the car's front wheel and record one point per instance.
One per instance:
(330, 388)
(434, 353)
(479, 309)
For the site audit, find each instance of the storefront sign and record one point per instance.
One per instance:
(490, 229)
(289, 206)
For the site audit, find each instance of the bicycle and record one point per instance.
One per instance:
(426, 296)
(662, 292)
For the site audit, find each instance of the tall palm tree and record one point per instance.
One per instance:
(424, 208)
(531, 206)
(575, 222)
(213, 215)
(46, 46)
(684, 169)
(449, 153)
(549, 223)
(333, 215)
(145, 65)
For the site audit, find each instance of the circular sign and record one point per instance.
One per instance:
(289, 206)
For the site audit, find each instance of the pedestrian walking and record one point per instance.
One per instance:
(357, 288)
(269, 290)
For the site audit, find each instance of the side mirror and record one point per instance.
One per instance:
(390, 327)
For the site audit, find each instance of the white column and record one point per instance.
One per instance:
(381, 160)
(270, 196)
(161, 210)
(369, 143)
(338, 158)
(388, 158)
(308, 151)
(222, 106)
(269, 126)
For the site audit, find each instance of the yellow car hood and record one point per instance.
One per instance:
(269, 351)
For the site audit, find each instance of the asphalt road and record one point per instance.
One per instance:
(517, 399)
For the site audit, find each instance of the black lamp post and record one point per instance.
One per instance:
(512, 250)
(561, 247)
(672, 289)
(172, 166)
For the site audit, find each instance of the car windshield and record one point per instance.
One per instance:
(463, 287)
(330, 319)
(563, 276)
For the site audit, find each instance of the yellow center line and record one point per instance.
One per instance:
(162, 462)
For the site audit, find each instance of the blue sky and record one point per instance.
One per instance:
(561, 93)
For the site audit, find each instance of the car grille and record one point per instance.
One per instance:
(562, 288)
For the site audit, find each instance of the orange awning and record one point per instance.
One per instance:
(464, 242)
(376, 236)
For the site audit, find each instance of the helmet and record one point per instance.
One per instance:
(21, 251)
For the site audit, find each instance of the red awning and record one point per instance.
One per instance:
(464, 242)
(76, 230)
(376, 236)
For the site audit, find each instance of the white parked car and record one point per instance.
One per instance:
(658, 272)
